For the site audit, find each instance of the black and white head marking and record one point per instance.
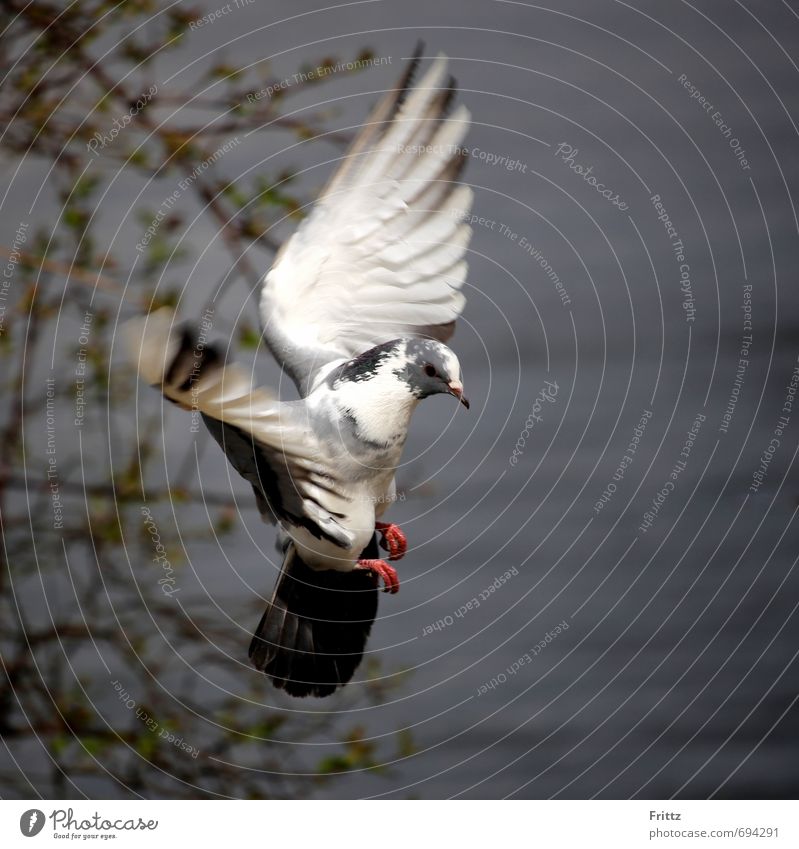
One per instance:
(379, 389)
(365, 366)
(430, 368)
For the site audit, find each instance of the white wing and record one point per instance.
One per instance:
(381, 255)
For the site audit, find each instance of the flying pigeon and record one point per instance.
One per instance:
(356, 309)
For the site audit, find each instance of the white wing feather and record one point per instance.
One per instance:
(381, 255)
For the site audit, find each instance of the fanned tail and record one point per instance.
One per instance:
(312, 635)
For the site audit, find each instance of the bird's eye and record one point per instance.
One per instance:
(429, 370)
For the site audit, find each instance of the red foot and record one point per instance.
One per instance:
(394, 541)
(384, 571)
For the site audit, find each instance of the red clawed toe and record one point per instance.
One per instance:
(394, 541)
(382, 570)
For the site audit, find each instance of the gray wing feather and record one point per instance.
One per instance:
(270, 444)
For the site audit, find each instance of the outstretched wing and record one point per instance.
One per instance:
(267, 442)
(382, 253)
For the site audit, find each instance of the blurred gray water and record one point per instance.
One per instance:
(677, 672)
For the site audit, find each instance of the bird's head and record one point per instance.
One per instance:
(432, 368)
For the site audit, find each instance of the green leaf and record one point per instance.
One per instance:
(249, 337)
(58, 745)
(334, 763)
(146, 745)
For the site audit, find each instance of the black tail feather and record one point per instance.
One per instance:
(312, 635)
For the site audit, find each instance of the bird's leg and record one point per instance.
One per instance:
(394, 541)
(381, 569)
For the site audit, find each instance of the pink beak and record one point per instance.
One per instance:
(456, 389)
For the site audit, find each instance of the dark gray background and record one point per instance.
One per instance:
(677, 674)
